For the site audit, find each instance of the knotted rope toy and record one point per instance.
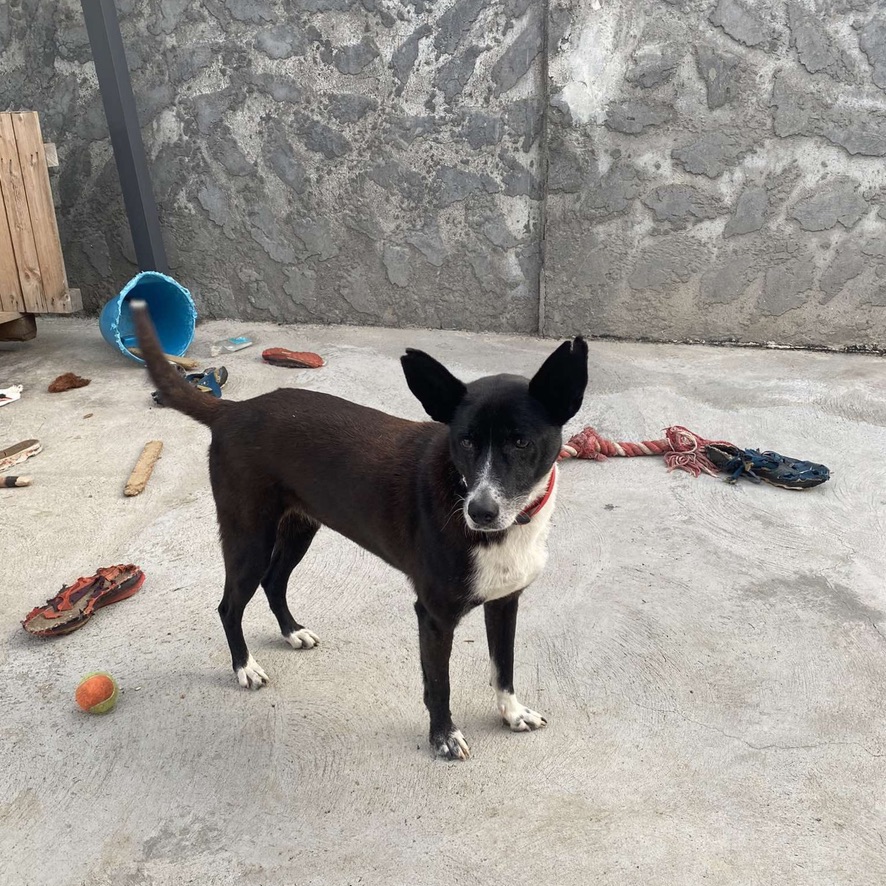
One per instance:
(688, 451)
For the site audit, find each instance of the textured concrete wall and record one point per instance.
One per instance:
(716, 171)
(333, 160)
(702, 169)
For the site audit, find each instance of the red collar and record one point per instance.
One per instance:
(526, 515)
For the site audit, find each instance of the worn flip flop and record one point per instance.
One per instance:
(15, 455)
(767, 467)
(209, 382)
(75, 604)
(292, 359)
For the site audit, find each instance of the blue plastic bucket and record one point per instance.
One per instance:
(172, 310)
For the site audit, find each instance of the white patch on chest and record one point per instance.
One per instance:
(513, 564)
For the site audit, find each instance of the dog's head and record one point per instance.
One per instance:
(504, 430)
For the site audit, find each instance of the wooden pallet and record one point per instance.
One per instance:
(32, 269)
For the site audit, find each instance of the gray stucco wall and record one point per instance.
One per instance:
(705, 169)
(716, 171)
(314, 160)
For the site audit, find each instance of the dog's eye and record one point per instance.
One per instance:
(466, 443)
(520, 443)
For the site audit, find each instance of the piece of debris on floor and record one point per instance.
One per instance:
(230, 345)
(7, 395)
(67, 382)
(18, 452)
(292, 359)
(144, 467)
(13, 482)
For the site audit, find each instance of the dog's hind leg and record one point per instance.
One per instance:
(295, 533)
(247, 545)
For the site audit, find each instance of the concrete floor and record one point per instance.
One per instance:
(712, 659)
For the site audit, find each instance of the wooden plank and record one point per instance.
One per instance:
(35, 176)
(11, 298)
(9, 316)
(22, 328)
(143, 469)
(184, 362)
(19, 218)
(51, 155)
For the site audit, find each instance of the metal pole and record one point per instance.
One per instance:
(109, 57)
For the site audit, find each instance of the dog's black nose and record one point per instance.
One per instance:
(483, 510)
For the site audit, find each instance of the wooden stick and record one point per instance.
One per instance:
(185, 362)
(141, 473)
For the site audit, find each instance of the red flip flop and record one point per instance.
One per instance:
(292, 359)
(75, 604)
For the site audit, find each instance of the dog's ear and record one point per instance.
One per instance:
(560, 383)
(438, 390)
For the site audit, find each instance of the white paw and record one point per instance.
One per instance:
(517, 716)
(251, 675)
(303, 639)
(452, 746)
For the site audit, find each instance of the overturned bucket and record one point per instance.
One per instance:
(171, 308)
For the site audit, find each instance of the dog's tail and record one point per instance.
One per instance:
(174, 390)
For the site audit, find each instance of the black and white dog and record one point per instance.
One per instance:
(461, 505)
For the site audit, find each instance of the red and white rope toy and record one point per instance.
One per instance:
(680, 447)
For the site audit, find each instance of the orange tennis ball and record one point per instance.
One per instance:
(97, 693)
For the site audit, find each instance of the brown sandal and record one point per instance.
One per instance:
(19, 452)
(75, 604)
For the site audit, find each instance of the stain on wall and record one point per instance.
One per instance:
(670, 169)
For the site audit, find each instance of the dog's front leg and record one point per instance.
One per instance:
(435, 645)
(501, 628)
